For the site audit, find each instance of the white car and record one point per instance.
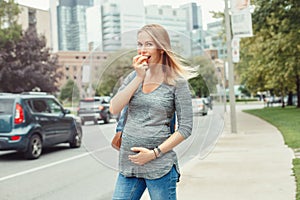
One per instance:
(200, 106)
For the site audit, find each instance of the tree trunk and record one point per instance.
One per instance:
(290, 99)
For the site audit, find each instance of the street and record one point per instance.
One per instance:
(90, 171)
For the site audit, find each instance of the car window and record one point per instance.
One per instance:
(38, 106)
(6, 106)
(54, 106)
(89, 103)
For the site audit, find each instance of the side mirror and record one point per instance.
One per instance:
(67, 111)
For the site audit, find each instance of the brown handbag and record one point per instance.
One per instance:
(117, 140)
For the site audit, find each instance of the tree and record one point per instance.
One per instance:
(205, 82)
(69, 91)
(28, 64)
(115, 68)
(10, 30)
(269, 60)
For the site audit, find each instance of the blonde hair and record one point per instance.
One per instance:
(171, 66)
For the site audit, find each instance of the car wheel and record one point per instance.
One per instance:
(107, 118)
(34, 149)
(76, 139)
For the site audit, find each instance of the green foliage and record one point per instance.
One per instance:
(205, 82)
(69, 92)
(286, 120)
(296, 169)
(270, 59)
(115, 68)
(9, 29)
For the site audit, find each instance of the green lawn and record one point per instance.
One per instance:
(287, 120)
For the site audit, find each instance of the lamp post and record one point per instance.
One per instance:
(230, 70)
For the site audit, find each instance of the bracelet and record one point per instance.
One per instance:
(159, 152)
(154, 153)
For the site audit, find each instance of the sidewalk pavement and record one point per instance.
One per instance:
(253, 164)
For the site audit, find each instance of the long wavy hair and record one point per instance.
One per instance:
(170, 63)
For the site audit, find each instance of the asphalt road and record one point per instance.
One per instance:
(90, 171)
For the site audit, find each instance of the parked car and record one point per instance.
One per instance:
(31, 121)
(200, 106)
(94, 109)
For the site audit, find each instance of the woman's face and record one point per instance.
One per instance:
(147, 47)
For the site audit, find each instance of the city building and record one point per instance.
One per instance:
(112, 25)
(71, 24)
(81, 67)
(214, 38)
(194, 26)
(40, 19)
(174, 20)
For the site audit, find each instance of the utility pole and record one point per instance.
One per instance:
(230, 70)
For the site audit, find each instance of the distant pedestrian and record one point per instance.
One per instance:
(156, 89)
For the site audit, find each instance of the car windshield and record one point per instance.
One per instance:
(6, 106)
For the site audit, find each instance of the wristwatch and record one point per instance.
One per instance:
(159, 152)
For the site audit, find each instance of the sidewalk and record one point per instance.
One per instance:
(252, 164)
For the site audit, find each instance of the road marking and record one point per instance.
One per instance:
(50, 165)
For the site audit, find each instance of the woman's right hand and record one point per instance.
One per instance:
(140, 65)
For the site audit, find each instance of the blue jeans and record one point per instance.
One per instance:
(131, 188)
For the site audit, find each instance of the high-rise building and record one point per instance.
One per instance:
(184, 25)
(72, 24)
(113, 24)
(194, 27)
(214, 40)
(39, 19)
(174, 20)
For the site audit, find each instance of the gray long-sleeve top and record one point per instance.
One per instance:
(147, 125)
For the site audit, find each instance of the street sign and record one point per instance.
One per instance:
(242, 23)
(239, 5)
(235, 45)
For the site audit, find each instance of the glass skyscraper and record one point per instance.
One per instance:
(71, 20)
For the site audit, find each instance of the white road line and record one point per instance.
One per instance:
(48, 165)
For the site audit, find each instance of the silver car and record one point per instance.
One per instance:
(200, 106)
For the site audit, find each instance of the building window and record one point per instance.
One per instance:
(67, 68)
(83, 57)
(77, 57)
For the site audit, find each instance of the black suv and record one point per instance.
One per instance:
(94, 109)
(31, 121)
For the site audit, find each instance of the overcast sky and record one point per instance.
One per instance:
(207, 5)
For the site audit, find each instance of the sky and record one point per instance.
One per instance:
(206, 5)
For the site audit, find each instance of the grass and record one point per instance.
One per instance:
(287, 120)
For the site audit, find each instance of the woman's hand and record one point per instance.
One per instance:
(143, 156)
(140, 65)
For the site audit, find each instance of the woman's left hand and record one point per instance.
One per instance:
(143, 156)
